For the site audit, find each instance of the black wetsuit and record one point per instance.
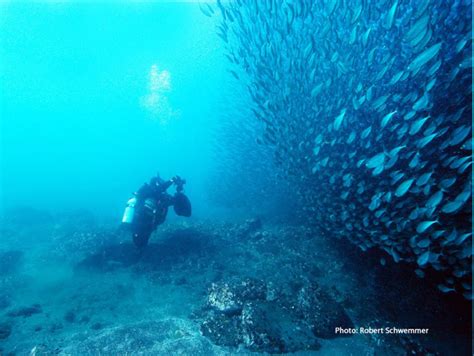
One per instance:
(147, 218)
(151, 207)
(158, 193)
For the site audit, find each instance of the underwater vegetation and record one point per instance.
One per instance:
(366, 106)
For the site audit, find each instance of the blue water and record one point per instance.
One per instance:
(327, 152)
(76, 129)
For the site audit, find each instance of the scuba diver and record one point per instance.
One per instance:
(149, 207)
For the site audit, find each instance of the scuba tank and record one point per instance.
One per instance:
(129, 212)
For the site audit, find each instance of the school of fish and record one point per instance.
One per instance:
(245, 176)
(367, 108)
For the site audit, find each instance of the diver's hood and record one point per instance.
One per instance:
(182, 205)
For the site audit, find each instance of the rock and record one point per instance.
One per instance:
(163, 337)
(254, 224)
(226, 324)
(223, 298)
(26, 311)
(258, 332)
(96, 326)
(260, 237)
(252, 328)
(110, 257)
(322, 312)
(229, 297)
(180, 281)
(54, 327)
(413, 347)
(223, 329)
(252, 289)
(262, 318)
(250, 313)
(70, 316)
(271, 293)
(42, 349)
(250, 226)
(5, 330)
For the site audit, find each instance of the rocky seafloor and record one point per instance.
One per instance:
(70, 285)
